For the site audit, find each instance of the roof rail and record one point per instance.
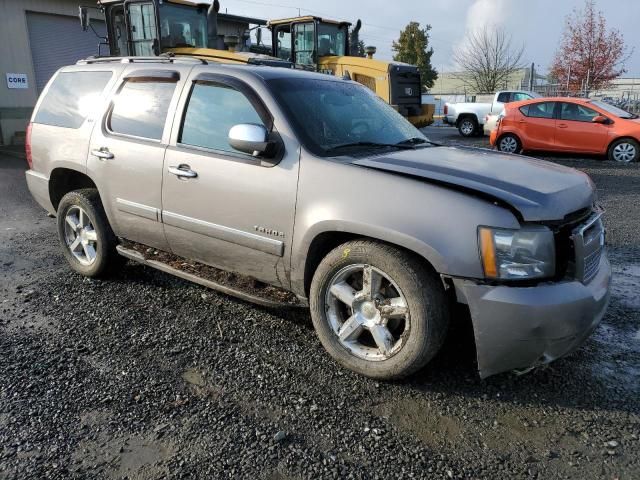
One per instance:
(164, 58)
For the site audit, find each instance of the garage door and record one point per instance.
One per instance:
(58, 40)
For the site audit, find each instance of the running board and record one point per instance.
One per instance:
(233, 292)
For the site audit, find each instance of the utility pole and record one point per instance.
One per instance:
(531, 74)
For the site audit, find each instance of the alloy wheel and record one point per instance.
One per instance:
(367, 312)
(624, 152)
(508, 145)
(467, 127)
(80, 235)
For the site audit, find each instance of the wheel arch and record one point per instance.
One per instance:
(64, 180)
(325, 241)
(514, 134)
(470, 115)
(624, 137)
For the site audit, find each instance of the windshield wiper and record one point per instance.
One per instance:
(418, 141)
(401, 145)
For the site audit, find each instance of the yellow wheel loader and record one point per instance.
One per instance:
(185, 27)
(323, 45)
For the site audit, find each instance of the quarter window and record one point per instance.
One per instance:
(577, 113)
(212, 110)
(539, 110)
(71, 98)
(141, 107)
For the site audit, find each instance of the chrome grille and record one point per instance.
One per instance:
(588, 240)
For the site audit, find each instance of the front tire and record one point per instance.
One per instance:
(625, 150)
(88, 243)
(378, 310)
(509, 143)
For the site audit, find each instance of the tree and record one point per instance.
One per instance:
(358, 49)
(487, 59)
(413, 47)
(589, 55)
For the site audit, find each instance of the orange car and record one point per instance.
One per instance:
(576, 125)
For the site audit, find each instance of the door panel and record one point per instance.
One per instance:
(538, 126)
(126, 158)
(576, 132)
(235, 214)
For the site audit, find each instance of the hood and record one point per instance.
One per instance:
(539, 190)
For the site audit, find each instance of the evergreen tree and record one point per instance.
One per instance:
(413, 47)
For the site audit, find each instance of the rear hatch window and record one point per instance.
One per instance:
(71, 98)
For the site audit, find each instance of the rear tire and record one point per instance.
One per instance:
(468, 126)
(509, 143)
(624, 150)
(385, 328)
(87, 240)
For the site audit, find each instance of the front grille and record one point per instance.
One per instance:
(588, 244)
(591, 264)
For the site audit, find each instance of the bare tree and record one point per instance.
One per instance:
(487, 59)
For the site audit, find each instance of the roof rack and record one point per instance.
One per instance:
(164, 58)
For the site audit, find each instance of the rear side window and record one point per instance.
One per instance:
(212, 110)
(140, 108)
(503, 97)
(539, 110)
(71, 98)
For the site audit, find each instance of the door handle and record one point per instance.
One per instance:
(183, 171)
(562, 125)
(103, 153)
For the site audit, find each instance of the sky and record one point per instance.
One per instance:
(537, 24)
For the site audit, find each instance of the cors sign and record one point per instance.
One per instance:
(17, 80)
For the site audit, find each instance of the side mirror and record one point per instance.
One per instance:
(600, 119)
(258, 36)
(251, 138)
(84, 18)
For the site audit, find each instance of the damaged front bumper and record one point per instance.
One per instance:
(517, 328)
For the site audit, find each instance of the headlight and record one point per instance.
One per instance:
(523, 254)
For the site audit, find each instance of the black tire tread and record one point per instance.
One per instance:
(429, 289)
(108, 260)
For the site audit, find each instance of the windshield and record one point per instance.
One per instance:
(332, 39)
(618, 112)
(182, 26)
(331, 114)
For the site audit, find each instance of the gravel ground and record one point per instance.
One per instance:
(147, 376)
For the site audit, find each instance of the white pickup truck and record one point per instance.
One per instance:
(469, 117)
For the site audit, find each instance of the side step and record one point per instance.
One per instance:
(138, 257)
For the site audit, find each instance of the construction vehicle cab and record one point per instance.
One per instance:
(323, 45)
(182, 27)
(305, 40)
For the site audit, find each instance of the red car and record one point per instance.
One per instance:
(576, 125)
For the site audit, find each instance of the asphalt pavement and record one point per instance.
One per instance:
(146, 376)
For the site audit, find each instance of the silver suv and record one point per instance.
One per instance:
(314, 185)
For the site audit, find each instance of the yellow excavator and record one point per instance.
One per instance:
(326, 46)
(185, 27)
